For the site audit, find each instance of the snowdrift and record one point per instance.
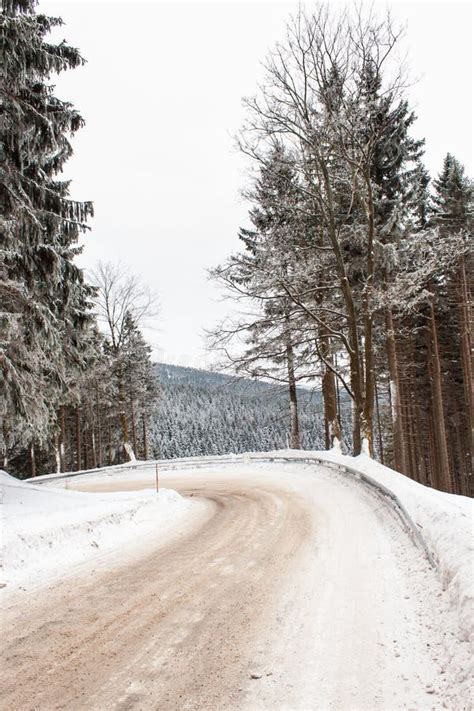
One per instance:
(47, 532)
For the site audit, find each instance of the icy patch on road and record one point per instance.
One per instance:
(48, 532)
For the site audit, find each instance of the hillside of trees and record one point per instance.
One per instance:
(200, 412)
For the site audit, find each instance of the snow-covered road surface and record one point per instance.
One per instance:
(293, 589)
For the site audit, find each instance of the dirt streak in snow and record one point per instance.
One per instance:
(299, 592)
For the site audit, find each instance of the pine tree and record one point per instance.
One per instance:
(261, 271)
(140, 383)
(42, 291)
(453, 203)
(396, 174)
(453, 198)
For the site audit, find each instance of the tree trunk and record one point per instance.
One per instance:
(78, 440)
(330, 394)
(32, 459)
(6, 445)
(62, 438)
(57, 454)
(327, 439)
(356, 434)
(110, 446)
(444, 479)
(100, 457)
(379, 427)
(432, 455)
(466, 358)
(134, 429)
(85, 452)
(145, 439)
(368, 409)
(399, 447)
(353, 334)
(294, 422)
(94, 448)
(128, 451)
(338, 399)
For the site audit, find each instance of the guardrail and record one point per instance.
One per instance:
(199, 462)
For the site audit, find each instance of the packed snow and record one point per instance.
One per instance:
(49, 532)
(445, 523)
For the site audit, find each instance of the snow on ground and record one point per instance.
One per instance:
(445, 522)
(49, 532)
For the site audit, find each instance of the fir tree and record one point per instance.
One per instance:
(42, 292)
(452, 217)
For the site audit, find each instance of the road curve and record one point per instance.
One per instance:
(297, 590)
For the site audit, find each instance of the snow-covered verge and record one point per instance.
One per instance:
(49, 532)
(445, 523)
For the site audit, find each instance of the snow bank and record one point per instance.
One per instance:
(445, 523)
(47, 532)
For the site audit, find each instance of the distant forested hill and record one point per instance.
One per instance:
(203, 413)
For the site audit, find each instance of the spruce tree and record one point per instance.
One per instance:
(452, 217)
(453, 197)
(140, 383)
(42, 292)
(261, 269)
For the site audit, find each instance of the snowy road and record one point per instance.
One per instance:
(290, 590)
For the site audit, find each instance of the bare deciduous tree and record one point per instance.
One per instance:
(121, 299)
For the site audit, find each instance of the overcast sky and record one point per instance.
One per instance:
(161, 94)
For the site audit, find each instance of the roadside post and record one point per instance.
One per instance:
(156, 476)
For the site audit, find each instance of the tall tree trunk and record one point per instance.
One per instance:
(329, 393)
(100, 457)
(78, 440)
(32, 459)
(62, 438)
(134, 429)
(127, 448)
(327, 439)
(413, 439)
(379, 426)
(355, 364)
(421, 449)
(338, 399)
(466, 321)
(368, 409)
(111, 459)
(93, 448)
(356, 433)
(294, 422)
(57, 453)
(444, 479)
(6, 445)
(85, 452)
(145, 439)
(399, 447)
(432, 455)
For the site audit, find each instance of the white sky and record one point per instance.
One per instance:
(161, 94)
